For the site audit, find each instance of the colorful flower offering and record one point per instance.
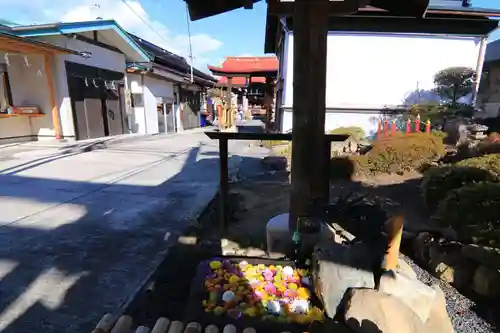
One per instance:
(268, 292)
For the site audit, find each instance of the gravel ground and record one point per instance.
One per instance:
(459, 307)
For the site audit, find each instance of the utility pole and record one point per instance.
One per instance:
(190, 44)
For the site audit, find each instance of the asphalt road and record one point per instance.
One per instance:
(79, 232)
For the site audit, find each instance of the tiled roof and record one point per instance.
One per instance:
(247, 65)
(169, 59)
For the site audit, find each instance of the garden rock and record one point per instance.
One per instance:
(421, 246)
(448, 264)
(449, 234)
(487, 256)
(486, 281)
(416, 295)
(439, 320)
(277, 163)
(336, 268)
(370, 311)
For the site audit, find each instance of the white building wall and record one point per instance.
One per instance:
(145, 118)
(28, 82)
(370, 72)
(155, 89)
(137, 118)
(100, 58)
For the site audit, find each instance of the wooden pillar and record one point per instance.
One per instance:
(310, 22)
(228, 101)
(268, 101)
(56, 120)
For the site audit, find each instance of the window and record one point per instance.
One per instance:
(5, 96)
(137, 100)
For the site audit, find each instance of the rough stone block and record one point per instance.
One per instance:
(336, 268)
(439, 320)
(416, 295)
(487, 256)
(486, 281)
(371, 311)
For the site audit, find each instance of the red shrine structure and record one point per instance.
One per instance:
(253, 80)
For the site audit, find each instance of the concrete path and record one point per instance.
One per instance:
(79, 232)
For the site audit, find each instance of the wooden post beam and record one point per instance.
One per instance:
(228, 101)
(56, 120)
(309, 93)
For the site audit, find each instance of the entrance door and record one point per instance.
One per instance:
(93, 112)
(114, 113)
(169, 109)
(166, 119)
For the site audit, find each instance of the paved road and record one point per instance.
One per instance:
(80, 231)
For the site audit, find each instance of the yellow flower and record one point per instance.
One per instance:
(215, 264)
(219, 310)
(251, 312)
(301, 319)
(234, 279)
(303, 293)
(292, 286)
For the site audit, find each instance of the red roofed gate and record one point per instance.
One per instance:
(253, 79)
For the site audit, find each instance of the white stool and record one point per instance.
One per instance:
(277, 229)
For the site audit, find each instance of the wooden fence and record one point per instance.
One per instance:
(124, 324)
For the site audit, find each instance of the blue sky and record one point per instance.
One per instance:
(237, 33)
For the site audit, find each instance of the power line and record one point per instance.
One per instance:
(144, 21)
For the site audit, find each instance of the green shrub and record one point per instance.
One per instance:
(402, 153)
(356, 132)
(438, 182)
(440, 134)
(395, 154)
(472, 211)
(489, 162)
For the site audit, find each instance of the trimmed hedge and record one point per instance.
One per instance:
(472, 211)
(356, 132)
(439, 181)
(395, 154)
(489, 162)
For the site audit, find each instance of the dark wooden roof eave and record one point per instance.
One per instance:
(200, 9)
(383, 23)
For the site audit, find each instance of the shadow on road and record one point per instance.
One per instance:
(61, 269)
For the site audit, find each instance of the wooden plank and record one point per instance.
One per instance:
(176, 327)
(105, 324)
(6, 115)
(161, 326)
(267, 136)
(56, 120)
(309, 105)
(229, 329)
(142, 329)
(193, 328)
(211, 329)
(123, 325)
(286, 8)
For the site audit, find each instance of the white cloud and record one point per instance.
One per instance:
(131, 16)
